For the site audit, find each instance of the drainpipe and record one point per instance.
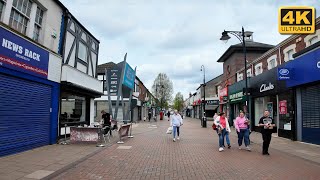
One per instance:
(279, 53)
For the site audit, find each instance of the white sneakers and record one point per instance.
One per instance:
(178, 138)
(174, 139)
(248, 148)
(221, 149)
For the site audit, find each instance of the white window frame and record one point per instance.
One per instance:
(38, 25)
(3, 8)
(249, 72)
(239, 77)
(257, 67)
(274, 57)
(287, 50)
(308, 38)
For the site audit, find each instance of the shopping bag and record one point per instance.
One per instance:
(169, 130)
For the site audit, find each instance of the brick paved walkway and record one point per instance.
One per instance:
(153, 155)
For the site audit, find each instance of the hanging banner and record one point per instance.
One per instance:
(21, 55)
(129, 76)
(113, 76)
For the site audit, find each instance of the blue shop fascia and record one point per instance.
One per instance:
(28, 98)
(303, 75)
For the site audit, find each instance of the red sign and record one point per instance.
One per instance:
(223, 92)
(283, 107)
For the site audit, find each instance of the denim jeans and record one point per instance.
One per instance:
(243, 134)
(175, 129)
(221, 137)
(227, 138)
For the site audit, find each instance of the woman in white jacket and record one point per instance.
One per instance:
(223, 129)
(176, 122)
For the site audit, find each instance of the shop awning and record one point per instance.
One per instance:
(211, 107)
(74, 88)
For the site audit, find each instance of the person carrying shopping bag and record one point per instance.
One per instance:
(223, 128)
(241, 124)
(176, 122)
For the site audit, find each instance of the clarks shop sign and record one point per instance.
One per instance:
(19, 54)
(266, 87)
(266, 84)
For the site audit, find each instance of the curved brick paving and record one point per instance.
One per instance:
(154, 156)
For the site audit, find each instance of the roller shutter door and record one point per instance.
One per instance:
(24, 114)
(311, 114)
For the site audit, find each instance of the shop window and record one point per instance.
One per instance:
(313, 40)
(239, 77)
(2, 5)
(288, 52)
(73, 108)
(82, 52)
(38, 24)
(272, 62)
(258, 69)
(20, 15)
(249, 73)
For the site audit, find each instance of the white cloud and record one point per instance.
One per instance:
(176, 37)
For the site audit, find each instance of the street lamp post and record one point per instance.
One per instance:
(241, 36)
(203, 119)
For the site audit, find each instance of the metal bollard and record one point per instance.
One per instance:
(65, 135)
(100, 138)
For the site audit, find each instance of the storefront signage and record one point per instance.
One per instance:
(284, 73)
(21, 55)
(113, 76)
(223, 92)
(266, 87)
(212, 102)
(236, 97)
(309, 63)
(283, 107)
(129, 76)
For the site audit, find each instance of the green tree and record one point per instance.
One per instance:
(162, 89)
(178, 102)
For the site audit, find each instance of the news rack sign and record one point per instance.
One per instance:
(296, 20)
(21, 55)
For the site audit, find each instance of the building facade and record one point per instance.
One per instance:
(30, 72)
(48, 73)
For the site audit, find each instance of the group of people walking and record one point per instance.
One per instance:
(242, 126)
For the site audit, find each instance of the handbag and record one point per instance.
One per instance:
(169, 130)
(214, 126)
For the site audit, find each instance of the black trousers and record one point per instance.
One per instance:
(178, 131)
(266, 142)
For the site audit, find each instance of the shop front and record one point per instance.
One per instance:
(237, 100)
(304, 76)
(270, 94)
(212, 105)
(29, 94)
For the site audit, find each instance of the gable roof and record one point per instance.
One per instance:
(101, 68)
(250, 46)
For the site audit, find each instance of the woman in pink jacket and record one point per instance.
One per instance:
(241, 125)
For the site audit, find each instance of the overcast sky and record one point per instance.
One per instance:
(176, 37)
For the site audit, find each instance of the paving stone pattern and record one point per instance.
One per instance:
(195, 156)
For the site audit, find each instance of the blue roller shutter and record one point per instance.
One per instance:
(24, 114)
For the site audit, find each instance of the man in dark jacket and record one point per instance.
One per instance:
(267, 124)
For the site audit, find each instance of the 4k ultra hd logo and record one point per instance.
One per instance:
(296, 20)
